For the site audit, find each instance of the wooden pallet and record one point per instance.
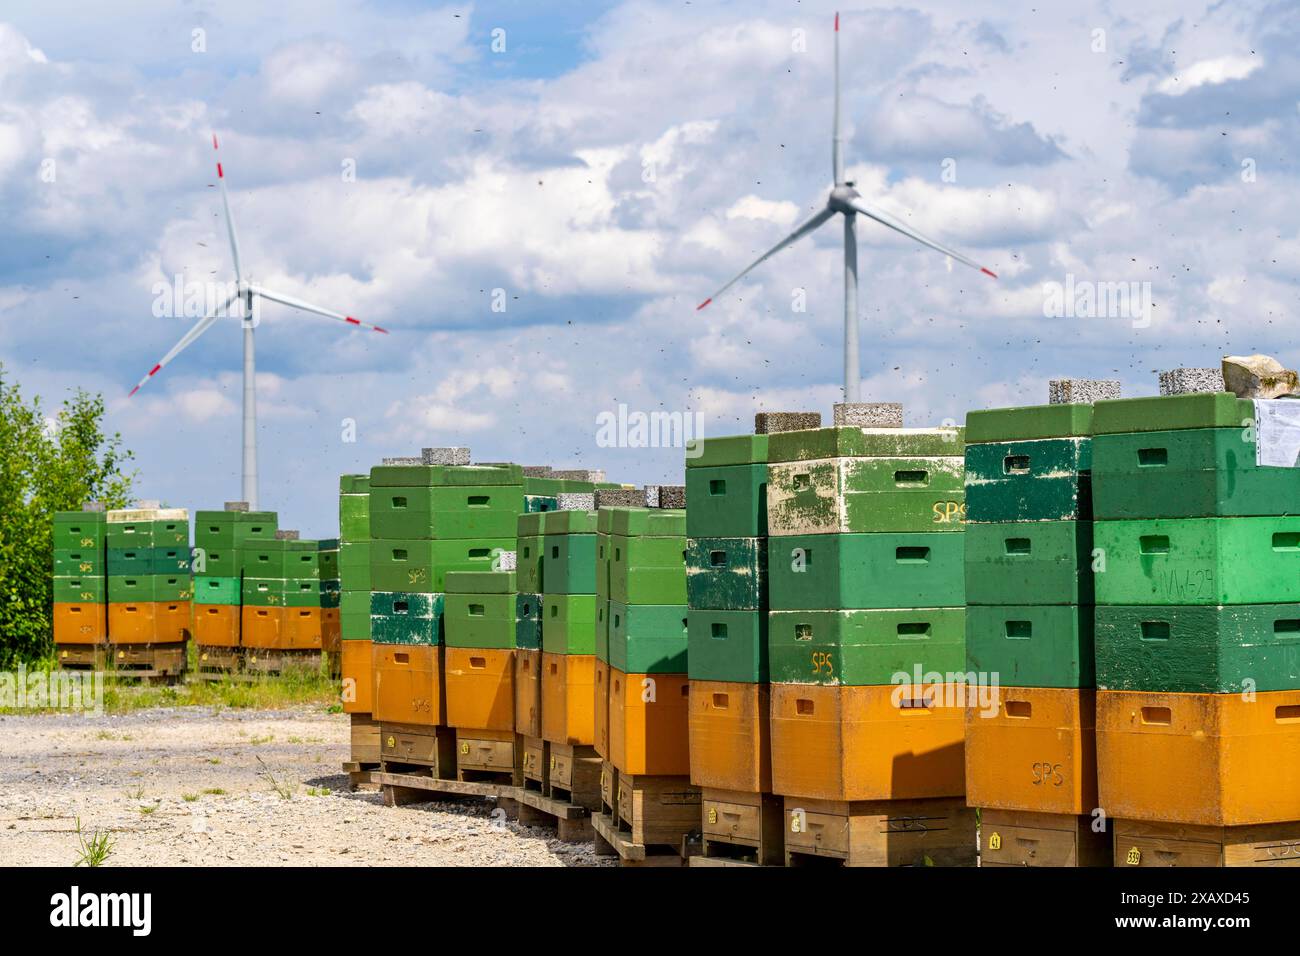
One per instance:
(534, 763)
(1024, 838)
(658, 811)
(741, 829)
(608, 789)
(400, 789)
(160, 663)
(365, 739)
(487, 756)
(572, 822)
(573, 775)
(1139, 843)
(82, 657)
(418, 749)
(279, 661)
(935, 832)
(360, 775)
(613, 839)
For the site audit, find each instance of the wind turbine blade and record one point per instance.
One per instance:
(230, 220)
(807, 226)
(201, 326)
(837, 145)
(887, 220)
(308, 307)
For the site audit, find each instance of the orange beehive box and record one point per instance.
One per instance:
(1208, 759)
(80, 623)
(649, 731)
(358, 683)
(216, 625)
(730, 737)
(173, 622)
(568, 698)
(480, 684)
(331, 629)
(884, 742)
(528, 691)
(600, 700)
(1037, 751)
(132, 623)
(262, 627)
(408, 684)
(301, 629)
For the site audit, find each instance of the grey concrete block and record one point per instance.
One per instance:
(575, 501)
(537, 471)
(769, 423)
(672, 496)
(93, 506)
(579, 474)
(868, 415)
(237, 506)
(286, 534)
(403, 461)
(620, 498)
(1079, 391)
(1191, 381)
(506, 561)
(444, 456)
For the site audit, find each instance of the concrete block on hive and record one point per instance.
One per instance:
(672, 496)
(286, 534)
(620, 498)
(403, 461)
(1259, 376)
(506, 561)
(578, 474)
(575, 501)
(769, 423)
(868, 415)
(1076, 391)
(236, 506)
(444, 456)
(1191, 381)
(537, 471)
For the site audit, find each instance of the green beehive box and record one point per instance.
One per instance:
(727, 574)
(1042, 480)
(1199, 650)
(726, 501)
(644, 522)
(1172, 412)
(421, 564)
(569, 522)
(79, 562)
(301, 559)
(214, 530)
(406, 617)
(866, 647)
(138, 561)
(569, 561)
(354, 507)
(217, 590)
(429, 476)
(459, 511)
(539, 504)
(1032, 645)
(602, 629)
(1190, 473)
(648, 638)
(479, 611)
(354, 565)
(135, 589)
(726, 450)
(79, 530)
(647, 570)
(130, 534)
(329, 564)
(727, 646)
(262, 592)
(863, 571)
(263, 559)
(1029, 562)
(528, 562)
(220, 564)
(604, 558)
(80, 590)
(1199, 561)
(569, 623)
(354, 615)
(1029, 423)
(848, 442)
(864, 495)
(528, 621)
(354, 484)
(303, 592)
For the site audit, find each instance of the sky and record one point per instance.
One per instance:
(534, 203)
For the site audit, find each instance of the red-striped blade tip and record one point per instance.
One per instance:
(214, 140)
(378, 329)
(153, 371)
(988, 272)
(133, 391)
(703, 304)
(220, 174)
(348, 318)
(837, 21)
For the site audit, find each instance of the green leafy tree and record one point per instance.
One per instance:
(47, 464)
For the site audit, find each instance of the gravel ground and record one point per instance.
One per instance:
(185, 786)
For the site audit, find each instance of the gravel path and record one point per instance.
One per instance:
(185, 786)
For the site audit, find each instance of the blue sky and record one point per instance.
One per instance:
(607, 170)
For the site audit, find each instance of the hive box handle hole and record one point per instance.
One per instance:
(1287, 713)
(1155, 543)
(1016, 464)
(1158, 716)
(1155, 630)
(1020, 709)
(803, 707)
(1153, 457)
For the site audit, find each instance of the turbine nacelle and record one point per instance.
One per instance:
(842, 198)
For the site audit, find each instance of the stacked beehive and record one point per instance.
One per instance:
(150, 589)
(220, 538)
(80, 586)
(1030, 744)
(479, 626)
(528, 648)
(562, 565)
(331, 625)
(427, 520)
(865, 634)
(649, 741)
(281, 614)
(354, 618)
(1198, 635)
(726, 589)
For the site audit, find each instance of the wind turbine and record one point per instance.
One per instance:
(846, 201)
(248, 292)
